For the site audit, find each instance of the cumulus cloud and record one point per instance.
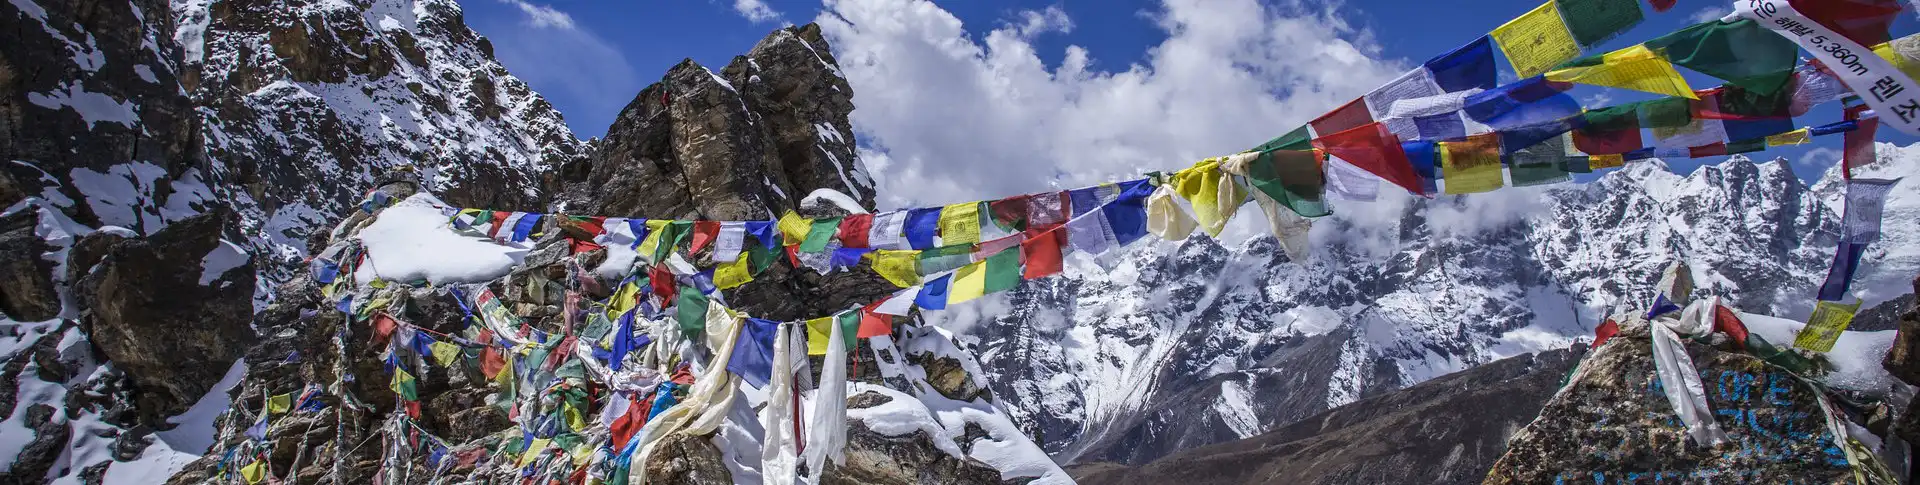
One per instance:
(565, 61)
(947, 116)
(1815, 162)
(1710, 13)
(756, 11)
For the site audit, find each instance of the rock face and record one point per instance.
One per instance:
(1175, 346)
(158, 310)
(1612, 422)
(1448, 430)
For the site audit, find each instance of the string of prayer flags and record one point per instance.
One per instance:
(1536, 41)
(1471, 165)
(1468, 67)
(1609, 131)
(1375, 150)
(960, 224)
(1595, 21)
(1637, 68)
(1291, 177)
(1741, 52)
(1824, 327)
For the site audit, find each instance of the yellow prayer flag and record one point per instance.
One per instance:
(819, 331)
(793, 228)
(731, 275)
(651, 244)
(445, 352)
(279, 404)
(1471, 165)
(575, 421)
(899, 267)
(533, 452)
(1200, 185)
(623, 299)
(960, 224)
(254, 472)
(1606, 161)
(1537, 41)
(1824, 327)
(968, 283)
(1795, 137)
(1637, 68)
(1906, 65)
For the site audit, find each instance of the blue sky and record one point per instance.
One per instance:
(590, 56)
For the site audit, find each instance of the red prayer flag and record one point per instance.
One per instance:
(383, 326)
(1605, 331)
(499, 217)
(1865, 21)
(1594, 142)
(662, 282)
(1707, 150)
(1725, 321)
(874, 324)
(853, 230)
(1353, 115)
(1010, 212)
(1858, 144)
(1374, 149)
(1662, 5)
(627, 424)
(491, 363)
(704, 232)
(1042, 253)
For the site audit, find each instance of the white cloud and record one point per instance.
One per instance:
(947, 116)
(1815, 162)
(542, 16)
(756, 11)
(1709, 13)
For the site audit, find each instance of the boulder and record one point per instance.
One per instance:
(1612, 422)
(146, 311)
(27, 291)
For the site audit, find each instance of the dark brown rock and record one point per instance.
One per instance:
(1903, 359)
(27, 291)
(146, 311)
(682, 459)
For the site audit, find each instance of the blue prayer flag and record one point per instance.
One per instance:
(933, 295)
(1661, 306)
(922, 224)
(1421, 154)
(1846, 259)
(753, 352)
(1127, 214)
(639, 229)
(525, 227)
(763, 232)
(1470, 66)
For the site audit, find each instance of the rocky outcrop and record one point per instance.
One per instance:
(27, 291)
(154, 307)
(1613, 422)
(1444, 431)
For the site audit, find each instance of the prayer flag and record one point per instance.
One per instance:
(1539, 163)
(1468, 67)
(1291, 177)
(1864, 21)
(1846, 260)
(691, 312)
(1748, 146)
(1609, 131)
(900, 304)
(1716, 149)
(764, 232)
(1661, 6)
(1741, 52)
(1725, 321)
(1795, 137)
(1891, 51)
(1046, 211)
(1695, 133)
(404, 385)
(1735, 103)
(753, 352)
(874, 323)
(1636, 68)
(1415, 83)
(933, 296)
(704, 232)
(943, 259)
(640, 230)
(921, 226)
(656, 230)
(1472, 165)
(1527, 102)
(1594, 21)
(1661, 306)
(888, 231)
(1089, 233)
(819, 234)
(1824, 327)
(1536, 41)
(1857, 146)
(1866, 202)
(280, 404)
(1604, 332)
(731, 240)
(1042, 253)
(898, 267)
(1010, 214)
(1200, 186)
(969, 283)
(534, 449)
(1087, 199)
(1375, 150)
(987, 248)
(1298, 139)
(1127, 213)
(1426, 163)
(960, 223)
(254, 472)
(854, 230)
(1346, 117)
(1597, 162)
(793, 228)
(1347, 182)
(445, 352)
(1664, 113)
(732, 275)
(819, 333)
(525, 226)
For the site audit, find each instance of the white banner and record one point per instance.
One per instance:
(1887, 90)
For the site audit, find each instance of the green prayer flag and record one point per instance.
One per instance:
(1003, 270)
(1741, 52)
(1540, 164)
(691, 311)
(1669, 112)
(1613, 118)
(1737, 102)
(1298, 139)
(675, 234)
(849, 328)
(1576, 165)
(1596, 21)
(759, 258)
(404, 385)
(945, 258)
(820, 234)
(1292, 178)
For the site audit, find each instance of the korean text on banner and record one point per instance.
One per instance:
(1890, 92)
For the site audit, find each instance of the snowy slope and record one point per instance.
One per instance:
(1193, 343)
